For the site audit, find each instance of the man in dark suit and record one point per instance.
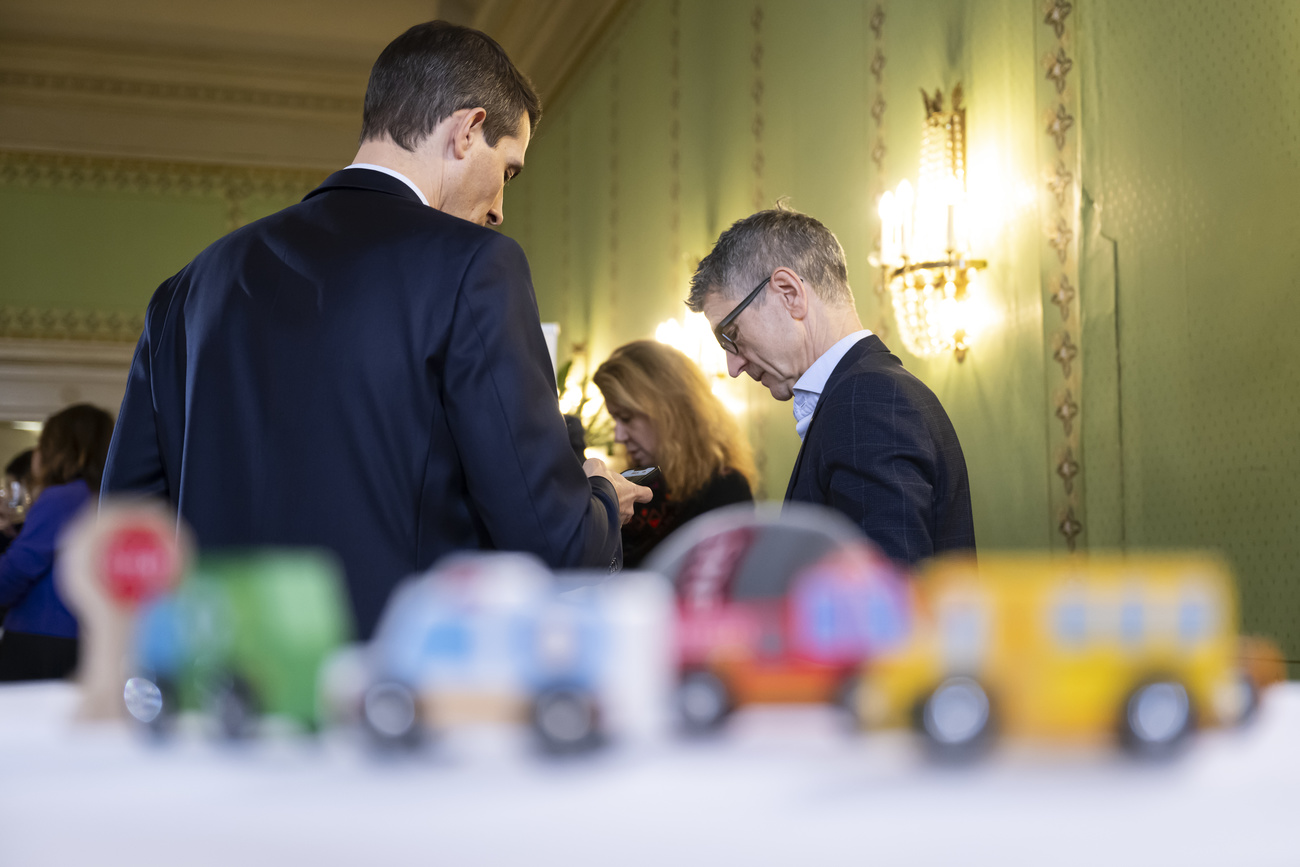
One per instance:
(365, 370)
(877, 445)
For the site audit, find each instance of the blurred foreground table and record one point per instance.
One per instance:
(780, 786)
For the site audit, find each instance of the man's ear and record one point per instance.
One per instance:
(468, 126)
(791, 290)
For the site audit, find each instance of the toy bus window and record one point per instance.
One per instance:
(1072, 622)
(1195, 619)
(964, 632)
(1131, 621)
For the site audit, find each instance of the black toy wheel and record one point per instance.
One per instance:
(847, 695)
(565, 720)
(703, 701)
(1157, 718)
(235, 708)
(390, 714)
(1246, 700)
(956, 718)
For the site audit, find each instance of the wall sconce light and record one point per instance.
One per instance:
(924, 240)
(693, 336)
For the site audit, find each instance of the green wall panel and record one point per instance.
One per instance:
(86, 240)
(1191, 157)
(98, 250)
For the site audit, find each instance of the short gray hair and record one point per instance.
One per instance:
(757, 245)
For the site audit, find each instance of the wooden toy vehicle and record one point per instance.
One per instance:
(777, 607)
(244, 635)
(491, 637)
(1141, 646)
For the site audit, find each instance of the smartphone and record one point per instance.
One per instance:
(643, 476)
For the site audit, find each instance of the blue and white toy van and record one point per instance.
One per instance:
(496, 637)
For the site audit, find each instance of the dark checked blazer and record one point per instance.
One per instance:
(365, 373)
(881, 450)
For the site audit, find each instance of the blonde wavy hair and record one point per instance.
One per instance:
(697, 437)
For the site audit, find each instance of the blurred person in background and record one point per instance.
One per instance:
(16, 497)
(665, 415)
(40, 634)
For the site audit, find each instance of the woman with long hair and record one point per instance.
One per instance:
(666, 416)
(40, 634)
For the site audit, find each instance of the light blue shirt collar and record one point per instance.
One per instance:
(392, 174)
(808, 389)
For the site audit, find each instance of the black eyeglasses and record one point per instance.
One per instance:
(726, 330)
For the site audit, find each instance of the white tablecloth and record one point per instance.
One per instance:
(781, 786)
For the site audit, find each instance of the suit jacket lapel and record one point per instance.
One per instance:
(870, 343)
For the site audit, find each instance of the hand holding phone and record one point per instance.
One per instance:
(643, 476)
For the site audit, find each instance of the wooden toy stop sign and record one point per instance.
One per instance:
(138, 562)
(111, 562)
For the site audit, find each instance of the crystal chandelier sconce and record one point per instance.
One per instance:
(924, 249)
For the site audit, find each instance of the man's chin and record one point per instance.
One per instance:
(781, 391)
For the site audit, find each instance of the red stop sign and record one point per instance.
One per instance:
(138, 563)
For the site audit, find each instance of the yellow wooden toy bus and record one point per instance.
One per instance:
(1142, 647)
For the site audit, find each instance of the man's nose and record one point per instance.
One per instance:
(735, 364)
(496, 214)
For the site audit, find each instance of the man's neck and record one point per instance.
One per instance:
(415, 165)
(832, 326)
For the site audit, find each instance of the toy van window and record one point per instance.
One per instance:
(1071, 622)
(775, 558)
(448, 640)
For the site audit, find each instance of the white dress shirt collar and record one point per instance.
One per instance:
(393, 174)
(809, 387)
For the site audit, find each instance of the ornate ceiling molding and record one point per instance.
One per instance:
(83, 77)
(70, 95)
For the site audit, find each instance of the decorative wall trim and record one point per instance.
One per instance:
(675, 141)
(95, 326)
(566, 233)
(38, 85)
(876, 24)
(758, 165)
(614, 87)
(67, 171)
(1059, 156)
(756, 94)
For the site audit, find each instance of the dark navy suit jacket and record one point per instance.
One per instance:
(882, 450)
(361, 372)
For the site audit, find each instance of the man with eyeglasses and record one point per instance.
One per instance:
(877, 445)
